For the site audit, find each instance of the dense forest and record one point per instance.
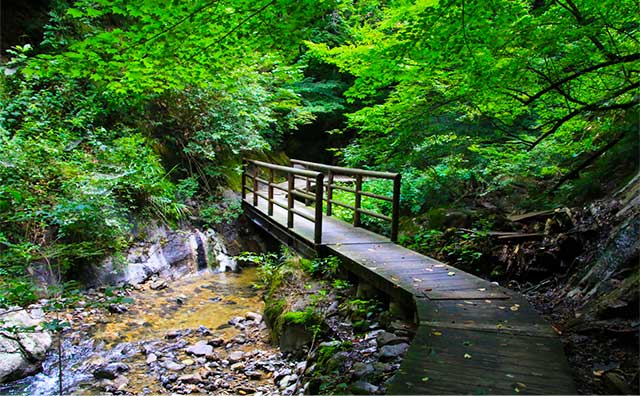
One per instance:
(115, 114)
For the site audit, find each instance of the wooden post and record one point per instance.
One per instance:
(329, 191)
(356, 212)
(307, 201)
(255, 187)
(270, 194)
(244, 179)
(290, 187)
(395, 215)
(317, 238)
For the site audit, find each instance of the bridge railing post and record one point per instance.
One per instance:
(395, 211)
(358, 201)
(290, 200)
(329, 191)
(255, 187)
(317, 238)
(270, 193)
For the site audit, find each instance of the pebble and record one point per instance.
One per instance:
(256, 317)
(110, 371)
(171, 365)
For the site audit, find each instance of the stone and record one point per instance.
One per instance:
(239, 339)
(201, 348)
(236, 320)
(294, 337)
(203, 330)
(363, 388)
(245, 390)
(111, 370)
(158, 284)
(362, 370)
(216, 342)
(386, 338)
(235, 356)
(393, 351)
(188, 362)
(190, 379)
(152, 357)
(118, 308)
(256, 317)
(118, 384)
(22, 353)
(237, 366)
(172, 366)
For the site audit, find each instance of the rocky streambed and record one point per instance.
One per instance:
(201, 334)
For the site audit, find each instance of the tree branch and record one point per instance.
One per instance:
(622, 59)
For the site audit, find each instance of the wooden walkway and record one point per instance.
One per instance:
(474, 337)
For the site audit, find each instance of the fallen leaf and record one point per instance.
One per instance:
(598, 373)
(488, 301)
(428, 269)
(513, 308)
(518, 386)
(417, 280)
(451, 273)
(501, 307)
(499, 326)
(428, 289)
(470, 302)
(467, 343)
(439, 265)
(467, 356)
(425, 379)
(509, 375)
(482, 289)
(436, 333)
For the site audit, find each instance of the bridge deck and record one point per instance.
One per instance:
(474, 337)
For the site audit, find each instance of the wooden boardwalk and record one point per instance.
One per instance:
(473, 336)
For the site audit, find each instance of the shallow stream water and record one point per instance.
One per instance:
(198, 306)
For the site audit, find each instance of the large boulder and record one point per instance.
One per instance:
(23, 343)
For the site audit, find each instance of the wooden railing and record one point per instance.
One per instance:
(358, 174)
(290, 174)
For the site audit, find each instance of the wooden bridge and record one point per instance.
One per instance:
(474, 337)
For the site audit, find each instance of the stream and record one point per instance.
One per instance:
(200, 334)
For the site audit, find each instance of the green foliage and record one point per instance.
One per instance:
(224, 211)
(484, 97)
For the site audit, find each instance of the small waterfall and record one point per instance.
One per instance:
(219, 252)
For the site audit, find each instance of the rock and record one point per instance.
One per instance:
(22, 353)
(363, 388)
(239, 339)
(256, 317)
(301, 367)
(615, 384)
(386, 338)
(152, 357)
(236, 320)
(362, 370)
(118, 308)
(216, 342)
(110, 371)
(172, 366)
(203, 330)
(172, 334)
(118, 384)
(235, 356)
(158, 284)
(237, 366)
(180, 300)
(245, 390)
(190, 379)
(287, 380)
(201, 348)
(188, 362)
(294, 337)
(393, 351)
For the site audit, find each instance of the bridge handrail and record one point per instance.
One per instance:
(346, 171)
(359, 174)
(291, 173)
